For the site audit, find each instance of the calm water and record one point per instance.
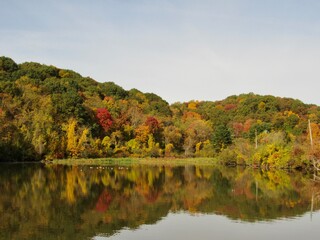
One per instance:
(156, 202)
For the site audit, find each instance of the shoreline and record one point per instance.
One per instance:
(137, 161)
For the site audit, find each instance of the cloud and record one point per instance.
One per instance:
(180, 50)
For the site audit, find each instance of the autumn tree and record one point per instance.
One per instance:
(152, 124)
(173, 138)
(104, 118)
(197, 131)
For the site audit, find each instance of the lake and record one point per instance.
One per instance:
(40, 201)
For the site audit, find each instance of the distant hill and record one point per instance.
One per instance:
(47, 112)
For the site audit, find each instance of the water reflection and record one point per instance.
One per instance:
(80, 202)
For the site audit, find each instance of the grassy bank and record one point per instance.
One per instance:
(136, 161)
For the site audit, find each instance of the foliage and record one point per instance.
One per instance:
(221, 137)
(8, 65)
(47, 112)
(104, 118)
(111, 89)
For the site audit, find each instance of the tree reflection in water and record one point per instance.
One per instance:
(78, 202)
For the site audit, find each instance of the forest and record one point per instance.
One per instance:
(51, 113)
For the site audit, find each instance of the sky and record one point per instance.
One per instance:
(180, 50)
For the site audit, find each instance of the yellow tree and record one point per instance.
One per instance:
(71, 136)
(76, 140)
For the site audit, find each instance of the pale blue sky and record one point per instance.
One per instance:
(178, 49)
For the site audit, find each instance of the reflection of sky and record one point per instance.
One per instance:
(179, 49)
(184, 226)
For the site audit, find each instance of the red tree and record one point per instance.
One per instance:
(104, 118)
(238, 128)
(153, 124)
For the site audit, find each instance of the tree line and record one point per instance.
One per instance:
(49, 113)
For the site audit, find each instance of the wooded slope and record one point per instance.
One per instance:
(47, 112)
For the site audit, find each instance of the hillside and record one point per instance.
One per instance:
(48, 113)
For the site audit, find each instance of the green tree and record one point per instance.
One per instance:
(221, 137)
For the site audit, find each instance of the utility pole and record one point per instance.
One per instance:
(310, 133)
(311, 143)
